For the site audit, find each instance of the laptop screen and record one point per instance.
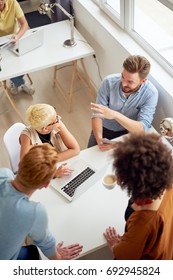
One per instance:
(30, 41)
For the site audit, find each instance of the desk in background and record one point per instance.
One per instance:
(85, 218)
(50, 54)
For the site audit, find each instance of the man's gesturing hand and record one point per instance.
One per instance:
(69, 252)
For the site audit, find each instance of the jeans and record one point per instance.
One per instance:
(18, 81)
(107, 133)
(29, 252)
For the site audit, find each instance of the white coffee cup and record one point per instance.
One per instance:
(109, 181)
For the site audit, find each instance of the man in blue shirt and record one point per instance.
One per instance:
(125, 103)
(21, 217)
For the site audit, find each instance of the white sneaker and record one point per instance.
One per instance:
(26, 88)
(13, 88)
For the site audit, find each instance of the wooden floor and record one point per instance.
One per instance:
(78, 121)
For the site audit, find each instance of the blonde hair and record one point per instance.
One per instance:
(40, 115)
(38, 166)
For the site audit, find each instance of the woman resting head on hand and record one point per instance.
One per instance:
(46, 126)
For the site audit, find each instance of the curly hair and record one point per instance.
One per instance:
(143, 165)
(38, 166)
(137, 64)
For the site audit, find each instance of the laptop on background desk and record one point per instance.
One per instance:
(82, 178)
(31, 40)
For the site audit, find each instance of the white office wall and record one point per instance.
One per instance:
(109, 52)
(112, 45)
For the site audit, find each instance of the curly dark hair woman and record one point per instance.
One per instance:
(144, 168)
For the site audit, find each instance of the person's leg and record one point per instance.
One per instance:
(19, 85)
(29, 252)
(15, 83)
(110, 134)
(92, 141)
(18, 81)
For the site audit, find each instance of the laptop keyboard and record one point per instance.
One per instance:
(70, 188)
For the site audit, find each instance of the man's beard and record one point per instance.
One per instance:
(129, 90)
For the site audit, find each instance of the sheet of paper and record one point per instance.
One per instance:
(4, 41)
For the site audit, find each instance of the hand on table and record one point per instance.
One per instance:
(14, 38)
(112, 237)
(105, 146)
(63, 170)
(69, 252)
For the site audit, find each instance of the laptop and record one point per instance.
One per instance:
(80, 180)
(31, 40)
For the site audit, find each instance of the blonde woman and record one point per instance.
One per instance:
(45, 126)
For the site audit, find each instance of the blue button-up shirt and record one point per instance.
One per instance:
(139, 106)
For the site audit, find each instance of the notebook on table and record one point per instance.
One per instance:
(28, 42)
(82, 178)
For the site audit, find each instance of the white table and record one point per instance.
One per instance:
(51, 53)
(85, 218)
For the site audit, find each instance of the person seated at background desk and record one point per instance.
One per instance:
(126, 102)
(21, 217)
(144, 168)
(13, 21)
(46, 127)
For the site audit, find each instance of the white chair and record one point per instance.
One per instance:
(11, 141)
